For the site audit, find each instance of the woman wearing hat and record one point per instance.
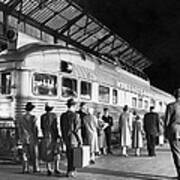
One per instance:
(48, 146)
(28, 132)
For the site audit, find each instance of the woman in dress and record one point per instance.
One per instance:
(124, 128)
(90, 122)
(101, 134)
(137, 139)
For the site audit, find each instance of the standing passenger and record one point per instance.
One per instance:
(90, 123)
(137, 139)
(172, 129)
(82, 113)
(124, 127)
(109, 120)
(70, 126)
(151, 128)
(51, 135)
(28, 132)
(101, 134)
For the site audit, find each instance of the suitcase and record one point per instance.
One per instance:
(81, 156)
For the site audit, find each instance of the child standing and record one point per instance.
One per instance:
(137, 139)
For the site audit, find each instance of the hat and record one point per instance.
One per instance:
(106, 109)
(48, 108)
(71, 102)
(177, 93)
(82, 104)
(125, 108)
(29, 106)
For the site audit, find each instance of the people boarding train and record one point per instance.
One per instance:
(96, 127)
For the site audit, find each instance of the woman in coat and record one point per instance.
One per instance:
(124, 127)
(28, 133)
(137, 139)
(49, 148)
(90, 122)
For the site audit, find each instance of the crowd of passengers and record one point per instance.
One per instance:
(83, 127)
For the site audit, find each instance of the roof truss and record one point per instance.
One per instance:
(65, 20)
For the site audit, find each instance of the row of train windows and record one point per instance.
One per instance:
(138, 103)
(47, 85)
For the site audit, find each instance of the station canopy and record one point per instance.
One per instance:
(67, 21)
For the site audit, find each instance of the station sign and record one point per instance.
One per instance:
(130, 88)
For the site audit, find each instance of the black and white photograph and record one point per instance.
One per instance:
(89, 89)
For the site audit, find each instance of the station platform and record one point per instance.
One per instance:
(109, 167)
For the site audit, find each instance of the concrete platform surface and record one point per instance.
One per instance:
(110, 167)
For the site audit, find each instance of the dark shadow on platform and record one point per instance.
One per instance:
(124, 174)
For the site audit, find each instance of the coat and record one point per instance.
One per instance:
(28, 133)
(91, 125)
(101, 134)
(172, 121)
(83, 129)
(137, 139)
(124, 127)
(48, 147)
(28, 130)
(70, 125)
(109, 121)
(151, 123)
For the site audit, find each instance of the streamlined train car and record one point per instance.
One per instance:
(51, 74)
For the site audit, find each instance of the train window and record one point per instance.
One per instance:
(115, 96)
(86, 90)
(146, 104)
(134, 102)
(103, 94)
(6, 83)
(140, 103)
(69, 87)
(44, 84)
(153, 102)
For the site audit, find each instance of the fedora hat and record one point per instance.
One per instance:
(29, 106)
(48, 108)
(71, 102)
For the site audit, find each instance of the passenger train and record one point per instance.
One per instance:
(43, 73)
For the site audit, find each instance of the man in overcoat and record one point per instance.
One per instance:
(109, 120)
(82, 113)
(70, 130)
(151, 128)
(172, 129)
(50, 137)
(28, 133)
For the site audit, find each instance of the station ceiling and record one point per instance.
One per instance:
(65, 20)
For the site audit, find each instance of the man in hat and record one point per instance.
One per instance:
(172, 129)
(151, 128)
(109, 120)
(70, 128)
(49, 151)
(82, 113)
(28, 133)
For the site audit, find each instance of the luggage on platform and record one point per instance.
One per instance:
(81, 156)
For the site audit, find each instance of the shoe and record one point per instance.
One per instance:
(110, 152)
(36, 171)
(57, 172)
(71, 174)
(125, 155)
(49, 173)
(92, 162)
